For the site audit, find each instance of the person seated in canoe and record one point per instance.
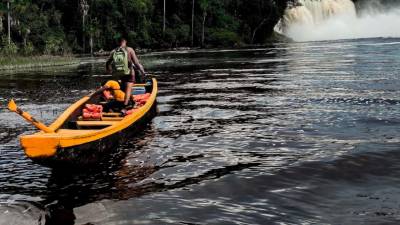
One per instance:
(115, 97)
(123, 62)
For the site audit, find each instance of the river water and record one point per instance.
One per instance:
(301, 133)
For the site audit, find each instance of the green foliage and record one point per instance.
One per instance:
(182, 34)
(56, 27)
(34, 62)
(28, 49)
(53, 46)
(204, 4)
(224, 38)
(8, 49)
(176, 37)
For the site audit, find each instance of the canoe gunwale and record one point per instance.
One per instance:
(95, 154)
(69, 140)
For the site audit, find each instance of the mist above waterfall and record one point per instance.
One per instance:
(313, 20)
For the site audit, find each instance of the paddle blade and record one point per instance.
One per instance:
(12, 106)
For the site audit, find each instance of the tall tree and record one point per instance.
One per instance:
(204, 7)
(192, 39)
(9, 21)
(164, 14)
(84, 10)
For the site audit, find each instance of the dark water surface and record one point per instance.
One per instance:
(303, 133)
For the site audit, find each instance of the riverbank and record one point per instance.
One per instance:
(273, 39)
(34, 62)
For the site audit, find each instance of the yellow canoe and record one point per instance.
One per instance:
(82, 142)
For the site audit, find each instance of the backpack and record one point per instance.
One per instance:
(120, 61)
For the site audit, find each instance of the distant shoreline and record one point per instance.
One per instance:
(274, 39)
(34, 62)
(18, 63)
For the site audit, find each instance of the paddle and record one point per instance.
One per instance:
(14, 108)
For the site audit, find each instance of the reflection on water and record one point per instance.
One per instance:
(291, 134)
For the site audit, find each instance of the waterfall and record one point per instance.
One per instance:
(310, 20)
(322, 10)
(314, 12)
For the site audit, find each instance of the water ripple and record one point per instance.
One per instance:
(299, 133)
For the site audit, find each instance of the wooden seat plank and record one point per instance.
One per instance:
(102, 119)
(112, 114)
(95, 123)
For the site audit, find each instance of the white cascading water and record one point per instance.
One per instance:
(313, 20)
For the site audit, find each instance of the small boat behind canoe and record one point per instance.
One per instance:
(77, 142)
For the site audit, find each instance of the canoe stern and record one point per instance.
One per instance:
(37, 147)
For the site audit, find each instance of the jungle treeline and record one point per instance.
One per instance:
(84, 26)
